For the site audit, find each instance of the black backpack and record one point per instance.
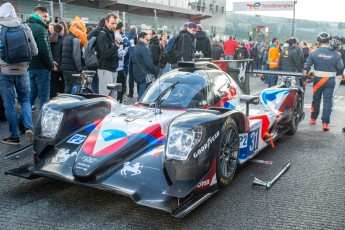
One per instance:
(90, 54)
(170, 50)
(16, 48)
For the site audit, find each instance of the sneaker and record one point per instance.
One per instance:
(33, 107)
(11, 141)
(312, 121)
(130, 95)
(29, 134)
(325, 127)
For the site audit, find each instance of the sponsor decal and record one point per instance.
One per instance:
(208, 182)
(77, 139)
(203, 183)
(88, 160)
(204, 147)
(134, 169)
(62, 155)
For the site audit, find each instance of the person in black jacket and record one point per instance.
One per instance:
(290, 61)
(203, 43)
(56, 81)
(254, 54)
(72, 60)
(106, 47)
(217, 49)
(242, 52)
(141, 67)
(155, 49)
(186, 43)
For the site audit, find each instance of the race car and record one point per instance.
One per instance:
(171, 150)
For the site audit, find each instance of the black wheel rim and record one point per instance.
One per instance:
(229, 152)
(297, 112)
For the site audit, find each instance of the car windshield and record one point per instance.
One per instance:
(188, 92)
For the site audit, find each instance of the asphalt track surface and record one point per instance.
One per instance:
(310, 195)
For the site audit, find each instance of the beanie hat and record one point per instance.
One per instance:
(119, 25)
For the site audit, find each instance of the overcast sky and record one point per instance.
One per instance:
(314, 10)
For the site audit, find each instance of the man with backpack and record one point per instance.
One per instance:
(107, 47)
(14, 75)
(90, 54)
(185, 43)
(42, 64)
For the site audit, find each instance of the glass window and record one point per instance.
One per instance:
(221, 84)
(188, 91)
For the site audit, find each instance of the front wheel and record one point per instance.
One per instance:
(297, 111)
(228, 154)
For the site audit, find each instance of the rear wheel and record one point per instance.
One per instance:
(296, 116)
(228, 154)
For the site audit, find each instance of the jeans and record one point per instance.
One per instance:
(141, 88)
(22, 85)
(229, 57)
(39, 86)
(272, 79)
(167, 68)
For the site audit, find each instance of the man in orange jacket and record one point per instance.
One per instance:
(273, 59)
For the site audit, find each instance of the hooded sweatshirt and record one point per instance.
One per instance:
(9, 18)
(203, 43)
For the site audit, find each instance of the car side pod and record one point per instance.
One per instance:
(269, 184)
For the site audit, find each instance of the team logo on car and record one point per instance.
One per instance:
(77, 139)
(134, 169)
(104, 142)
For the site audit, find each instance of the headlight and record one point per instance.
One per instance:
(182, 140)
(50, 122)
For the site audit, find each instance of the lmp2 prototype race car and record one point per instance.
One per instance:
(171, 150)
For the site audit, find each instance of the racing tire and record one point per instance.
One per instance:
(297, 111)
(226, 162)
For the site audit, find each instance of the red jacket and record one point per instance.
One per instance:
(230, 47)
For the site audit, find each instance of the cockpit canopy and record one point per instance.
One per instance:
(189, 90)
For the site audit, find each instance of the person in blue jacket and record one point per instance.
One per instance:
(326, 63)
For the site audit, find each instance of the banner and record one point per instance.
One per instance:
(264, 6)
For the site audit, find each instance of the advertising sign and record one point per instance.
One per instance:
(264, 6)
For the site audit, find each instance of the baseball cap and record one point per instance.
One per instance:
(193, 26)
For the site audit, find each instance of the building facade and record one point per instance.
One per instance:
(163, 15)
